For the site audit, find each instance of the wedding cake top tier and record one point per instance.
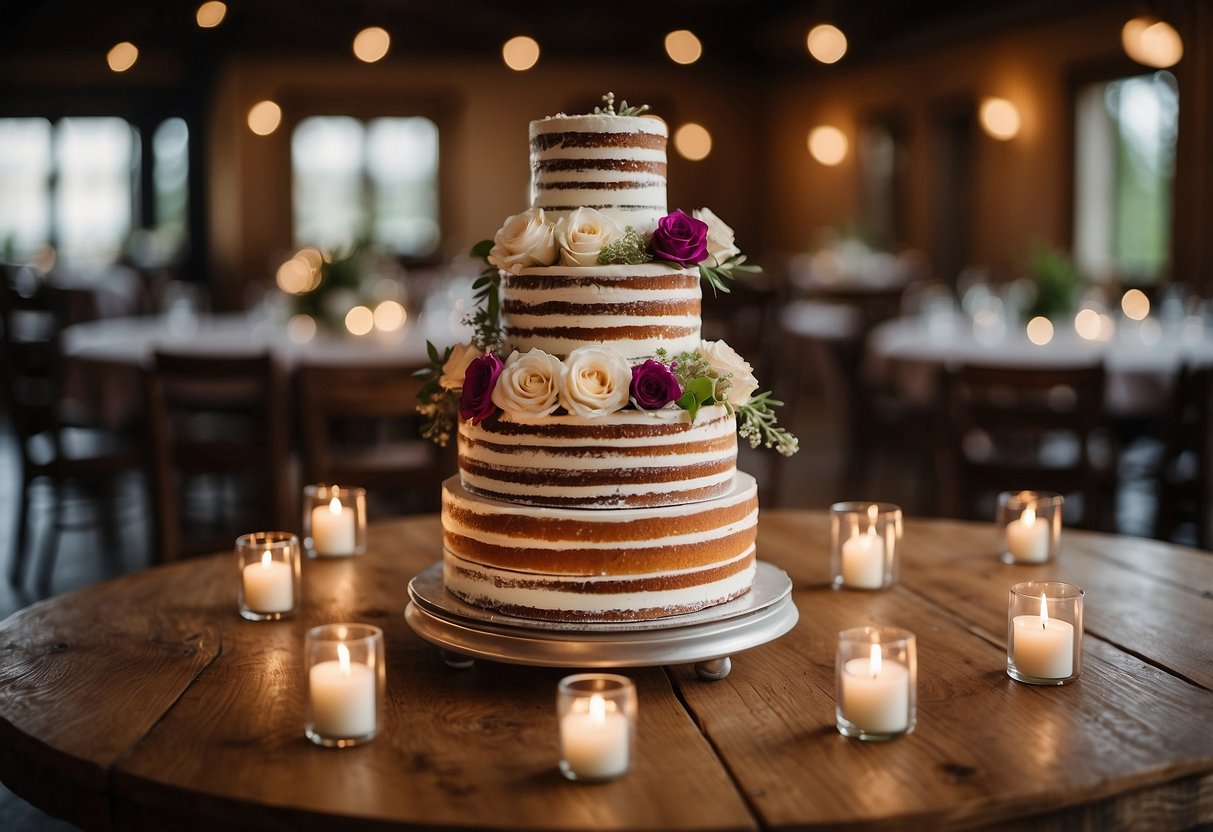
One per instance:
(614, 164)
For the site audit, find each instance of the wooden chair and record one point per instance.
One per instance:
(218, 441)
(1011, 428)
(56, 443)
(359, 426)
(1183, 493)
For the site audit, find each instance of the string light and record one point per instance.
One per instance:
(683, 47)
(371, 44)
(520, 53)
(264, 117)
(999, 118)
(693, 141)
(828, 145)
(122, 56)
(826, 43)
(210, 14)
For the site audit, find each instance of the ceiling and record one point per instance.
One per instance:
(748, 35)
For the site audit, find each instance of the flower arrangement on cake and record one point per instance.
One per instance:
(474, 382)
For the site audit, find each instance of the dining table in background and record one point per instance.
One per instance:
(148, 702)
(907, 352)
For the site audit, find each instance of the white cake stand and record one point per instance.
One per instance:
(708, 637)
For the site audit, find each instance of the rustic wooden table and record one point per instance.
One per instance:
(147, 702)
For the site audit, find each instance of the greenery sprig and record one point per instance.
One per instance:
(435, 402)
(487, 333)
(719, 275)
(631, 249)
(757, 423)
(624, 108)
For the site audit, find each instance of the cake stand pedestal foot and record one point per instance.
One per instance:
(713, 670)
(457, 661)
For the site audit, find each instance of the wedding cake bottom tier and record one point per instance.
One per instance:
(595, 565)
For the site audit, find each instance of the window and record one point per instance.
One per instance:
(376, 180)
(1124, 169)
(74, 185)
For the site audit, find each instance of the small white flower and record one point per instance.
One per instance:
(582, 234)
(725, 361)
(720, 237)
(456, 366)
(526, 239)
(529, 384)
(597, 381)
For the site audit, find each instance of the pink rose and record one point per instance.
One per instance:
(476, 399)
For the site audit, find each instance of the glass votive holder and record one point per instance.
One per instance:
(345, 676)
(269, 568)
(1030, 525)
(597, 718)
(1044, 632)
(865, 543)
(876, 683)
(334, 521)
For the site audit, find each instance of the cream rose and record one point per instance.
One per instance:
(457, 366)
(724, 360)
(720, 237)
(526, 239)
(529, 384)
(597, 381)
(582, 234)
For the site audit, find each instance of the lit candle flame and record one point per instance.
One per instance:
(872, 512)
(335, 506)
(343, 658)
(1044, 613)
(597, 710)
(874, 664)
(1029, 517)
(267, 559)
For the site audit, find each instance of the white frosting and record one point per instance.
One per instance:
(596, 123)
(490, 586)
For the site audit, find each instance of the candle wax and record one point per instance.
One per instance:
(1043, 652)
(595, 749)
(333, 531)
(863, 558)
(1028, 542)
(269, 586)
(343, 699)
(876, 704)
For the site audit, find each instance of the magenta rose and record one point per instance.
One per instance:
(476, 400)
(653, 385)
(681, 239)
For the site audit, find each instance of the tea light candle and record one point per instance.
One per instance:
(269, 585)
(333, 529)
(1027, 539)
(876, 694)
(594, 742)
(863, 557)
(1043, 647)
(343, 696)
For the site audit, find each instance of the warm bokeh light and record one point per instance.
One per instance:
(390, 316)
(122, 56)
(371, 44)
(300, 274)
(999, 118)
(827, 43)
(828, 145)
(1152, 42)
(1087, 324)
(360, 320)
(693, 141)
(520, 53)
(211, 14)
(301, 329)
(683, 47)
(264, 117)
(1135, 305)
(1040, 330)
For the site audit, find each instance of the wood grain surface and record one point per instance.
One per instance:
(147, 702)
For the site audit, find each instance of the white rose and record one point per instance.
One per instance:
(526, 239)
(529, 384)
(724, 360)
(597, 381)
(720, 237)
(582, 234)
(456, 366)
